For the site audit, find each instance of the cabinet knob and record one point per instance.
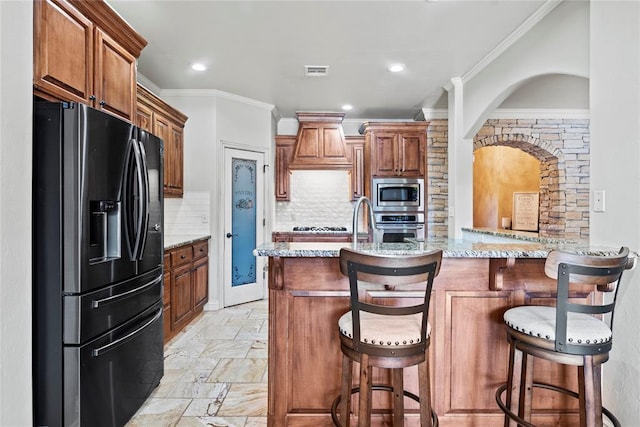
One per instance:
(182, 256)
(92, 98)
(103, 103)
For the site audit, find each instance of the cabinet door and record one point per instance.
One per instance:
(284, 151)
(201, 282)
(385, 151)
(114, 78)
(181, 296)
(166, 312)
(357, 171)
(63, 39)
(412, 156)
(174, 161)
(162, 129)
(144, 117)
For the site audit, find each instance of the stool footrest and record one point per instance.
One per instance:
(354, 390)
(522, 422)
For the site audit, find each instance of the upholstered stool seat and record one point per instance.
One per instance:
(384, 331)
(385, 336)
(571, 333)
(540, 322)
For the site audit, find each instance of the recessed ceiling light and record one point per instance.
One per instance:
(198, 66)
(396, 68)
(347, 107)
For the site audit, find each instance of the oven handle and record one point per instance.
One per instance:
(399, 225)
(105, 348)
(125, 295)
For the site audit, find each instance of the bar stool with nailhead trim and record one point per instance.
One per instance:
(569, 333)
(385, 336)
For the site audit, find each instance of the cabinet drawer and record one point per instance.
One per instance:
(200, 250)
(181, 256)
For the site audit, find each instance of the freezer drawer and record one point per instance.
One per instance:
(89, 315)
(108, 379)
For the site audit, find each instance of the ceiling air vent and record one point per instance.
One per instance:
(316, 70)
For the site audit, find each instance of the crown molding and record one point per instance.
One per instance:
(433, 114)
(512, 38)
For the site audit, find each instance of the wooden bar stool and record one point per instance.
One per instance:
(569, 333)
(384, 336)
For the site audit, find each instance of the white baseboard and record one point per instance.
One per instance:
(212, 305)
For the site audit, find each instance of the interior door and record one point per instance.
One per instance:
(244, 228)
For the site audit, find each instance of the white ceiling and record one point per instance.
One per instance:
(258, 49)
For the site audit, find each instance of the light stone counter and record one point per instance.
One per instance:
(176, 240)
(451, 248)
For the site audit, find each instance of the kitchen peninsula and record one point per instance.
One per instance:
(477, 283)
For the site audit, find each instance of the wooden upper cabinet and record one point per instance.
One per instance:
(156, 116)
(144, 117)
(356, 174)
(396, 149)
(115, 77)
(59, 30)
(284, 151)
(320, 143)
(174, 161)
(85, 52)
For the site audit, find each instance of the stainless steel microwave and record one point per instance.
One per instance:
(398, 194)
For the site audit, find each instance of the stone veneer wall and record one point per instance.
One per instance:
(437, 179)
(562, 147)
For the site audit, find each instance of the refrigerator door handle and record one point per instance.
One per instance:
(124, 295)
(144, 199)
(96, 352)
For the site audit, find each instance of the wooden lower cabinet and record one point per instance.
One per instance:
(186, 285)
(468, 351)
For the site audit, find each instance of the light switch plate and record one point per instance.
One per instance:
(598, 201)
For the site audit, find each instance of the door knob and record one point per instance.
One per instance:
(229, 235)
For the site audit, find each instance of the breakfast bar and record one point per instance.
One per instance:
(477, 283)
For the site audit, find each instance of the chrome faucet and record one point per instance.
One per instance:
(356, 211)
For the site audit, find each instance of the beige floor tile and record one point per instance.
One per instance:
(245, 399)
(211, 422)
(198, 390)
(227, 349)
(215, 373)
(239, 371)
(159, 412)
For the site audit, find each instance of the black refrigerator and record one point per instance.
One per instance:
(97, 266)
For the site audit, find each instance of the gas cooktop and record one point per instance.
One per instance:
(308, 228)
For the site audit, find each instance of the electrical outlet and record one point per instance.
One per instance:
(598, 201)
(204, 219)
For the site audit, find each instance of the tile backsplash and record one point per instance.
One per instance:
(188, 215)
(318, 198)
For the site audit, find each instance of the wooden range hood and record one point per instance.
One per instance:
(320, 142)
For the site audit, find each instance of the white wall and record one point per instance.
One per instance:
(615, 156)
(216, 119)
(16, 63)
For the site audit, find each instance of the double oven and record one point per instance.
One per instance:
(398, 208)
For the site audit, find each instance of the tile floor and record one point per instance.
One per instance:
(215, 373)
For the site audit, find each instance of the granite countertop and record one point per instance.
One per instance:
(176, 240)
(520, 235)
(451, 248)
